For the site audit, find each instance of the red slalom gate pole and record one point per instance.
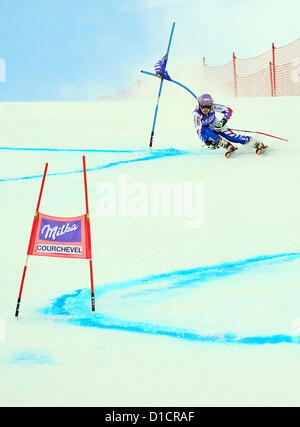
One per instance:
(42, 189)
(85, 186)
(89, 235)
(27, 258)
(92, 287)
(21, 288)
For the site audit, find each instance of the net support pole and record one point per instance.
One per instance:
(234, 75)
(274, 72)
(27, 258)
(89, 235)
(204, 71)
(271, 79)
(160, 89)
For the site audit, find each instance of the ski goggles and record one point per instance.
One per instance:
(206, 106)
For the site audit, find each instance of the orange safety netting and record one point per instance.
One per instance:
(273, 73)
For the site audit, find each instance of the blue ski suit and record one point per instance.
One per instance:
(205, 123)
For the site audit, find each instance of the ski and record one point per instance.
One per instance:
(230, 151)
(261, 149)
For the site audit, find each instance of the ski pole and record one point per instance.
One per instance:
(260, 133)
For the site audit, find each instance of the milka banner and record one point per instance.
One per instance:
(60, 237)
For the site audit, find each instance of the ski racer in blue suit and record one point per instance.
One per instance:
(212, 131)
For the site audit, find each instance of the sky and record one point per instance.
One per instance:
(66, 50)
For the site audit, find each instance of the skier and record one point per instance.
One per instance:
(213, 132)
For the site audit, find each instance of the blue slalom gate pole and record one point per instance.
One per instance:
(173, 81)
(160, 89)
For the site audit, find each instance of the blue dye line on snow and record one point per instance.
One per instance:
(80, 150)
(153, 155)
(32, 357)
(63, 305)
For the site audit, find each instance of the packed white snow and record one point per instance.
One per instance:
(185, 315)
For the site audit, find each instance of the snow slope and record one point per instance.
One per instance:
(184, 316)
